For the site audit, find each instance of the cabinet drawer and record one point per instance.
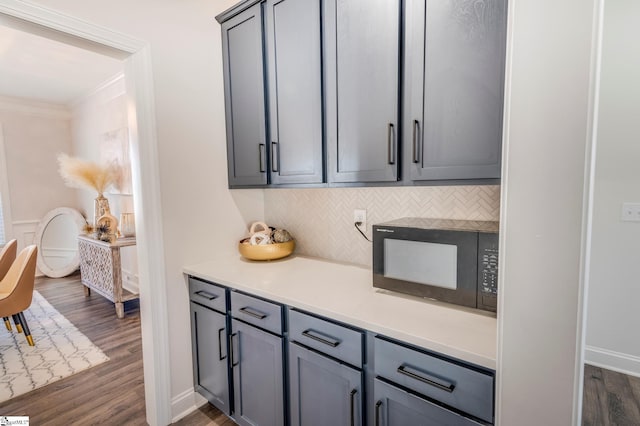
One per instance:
(458, 386)
(208, 294)
(327, 337)
(256, 311)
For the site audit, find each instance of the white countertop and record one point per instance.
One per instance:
(345, 293)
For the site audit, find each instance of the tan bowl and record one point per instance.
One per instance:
(267, 251)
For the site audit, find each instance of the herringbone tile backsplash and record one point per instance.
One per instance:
(321, 219)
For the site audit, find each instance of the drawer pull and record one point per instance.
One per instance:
(253, 313)
(206, 295)
(220, 345)
(378, 405)
(353, 406)
(430, 380)
(326, 340)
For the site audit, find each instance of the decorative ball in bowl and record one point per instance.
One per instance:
(271, 251)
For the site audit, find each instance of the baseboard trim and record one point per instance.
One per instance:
(183, 404)
(611, 360)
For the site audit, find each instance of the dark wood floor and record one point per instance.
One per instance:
(610, 398)
(112, 393)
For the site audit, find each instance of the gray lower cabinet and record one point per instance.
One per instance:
(362, 47)
(453, 94)
(396, 407)
(257, 366)
(323, 391)
(294, 62)
(244, 98)
(209, 337)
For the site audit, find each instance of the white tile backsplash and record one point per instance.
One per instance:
(321, 219)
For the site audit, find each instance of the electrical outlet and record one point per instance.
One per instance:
(631, 212)
(360, 215)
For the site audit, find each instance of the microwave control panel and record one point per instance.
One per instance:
(487, 271)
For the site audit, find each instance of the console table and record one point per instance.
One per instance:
(100, 269)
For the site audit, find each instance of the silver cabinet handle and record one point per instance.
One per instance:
(430, 380)
(253, 313)
(275, 160)
(232, 351)
(262, 153)
(206, 295)
(391, 142)
(220, 344)
(416, 141)
(353, 406)
(322, 339)
(377, 420)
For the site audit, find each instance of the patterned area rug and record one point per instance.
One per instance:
(60, 351)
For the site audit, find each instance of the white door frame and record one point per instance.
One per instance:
(4, 191)
(146, 183)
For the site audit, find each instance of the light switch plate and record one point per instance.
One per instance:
(631, 212)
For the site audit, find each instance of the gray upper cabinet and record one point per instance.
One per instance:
(295, 91)
(454, 77)
(362, 46)
(244, 98)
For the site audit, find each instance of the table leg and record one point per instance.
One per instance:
(120, 309)
(87, 291)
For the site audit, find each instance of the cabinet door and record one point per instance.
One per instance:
(257, 376)
(323, 391)
(244, 97)
(362, 62)
(210, 368)
(454, 74)
(295, 91)
(396, 407)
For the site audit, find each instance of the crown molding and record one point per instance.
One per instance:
(34, 108)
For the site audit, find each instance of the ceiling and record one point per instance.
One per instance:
(37, 68)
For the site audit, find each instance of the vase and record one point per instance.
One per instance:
(107, 226)
(127, 225)
(100, 206)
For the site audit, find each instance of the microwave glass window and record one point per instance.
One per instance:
(421, 262)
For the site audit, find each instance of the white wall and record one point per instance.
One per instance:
(34, 133)
(201, 216)
(546, 140)
(614, 285)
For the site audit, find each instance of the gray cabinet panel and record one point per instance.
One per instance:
(363, 39)
(454, 74)
(460, 387)
(257, 376)
(244, 97)
(323, 391)
(261, 313)
(395, 407)
(295, 91)
(208, 337)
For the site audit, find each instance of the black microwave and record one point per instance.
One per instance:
(454, 261)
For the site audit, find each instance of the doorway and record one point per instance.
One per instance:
(144, 161)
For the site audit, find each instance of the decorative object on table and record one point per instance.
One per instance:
(266, 243)
(107, 226)
(78, 173)
(127, 225)
(62, 350)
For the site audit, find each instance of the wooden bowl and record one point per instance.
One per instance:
(267, 251)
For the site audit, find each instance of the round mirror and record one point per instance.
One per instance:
(57, 240)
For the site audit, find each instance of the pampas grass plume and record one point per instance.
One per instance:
(79, 173)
